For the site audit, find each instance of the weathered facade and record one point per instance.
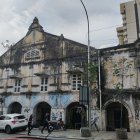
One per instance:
(42, 73)
(120, 78)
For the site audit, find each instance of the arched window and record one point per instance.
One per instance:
(32, 55)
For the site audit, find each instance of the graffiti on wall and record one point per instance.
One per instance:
(56, 114)
(58, 100)
(95, 119)
(136, 105)
(26, 110)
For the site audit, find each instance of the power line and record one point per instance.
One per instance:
(108, 27)
(103, 28)
(103, 40)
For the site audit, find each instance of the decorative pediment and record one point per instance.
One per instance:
(33, 38)
(35, 26)
(35, 33)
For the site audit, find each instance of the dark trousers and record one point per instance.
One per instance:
(30, 127)
(45, 125)
(95, 126)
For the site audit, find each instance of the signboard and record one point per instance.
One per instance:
(84, 95)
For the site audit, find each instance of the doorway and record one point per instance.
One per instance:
(75, 116)
(14, 108)
(113, 115)
(39, 111)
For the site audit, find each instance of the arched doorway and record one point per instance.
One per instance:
(113, 115)
(75, 115)
(39, 112)
(14, 108)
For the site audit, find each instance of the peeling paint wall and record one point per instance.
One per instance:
(37, 55)
(127, 70)
(121, 74)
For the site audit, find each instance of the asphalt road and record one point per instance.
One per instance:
(13, 135)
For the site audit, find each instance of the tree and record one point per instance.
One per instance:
(92, 70)
(120, 70)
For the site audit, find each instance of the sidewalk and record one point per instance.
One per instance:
(75, 134)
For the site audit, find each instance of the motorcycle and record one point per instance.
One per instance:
(57, 125)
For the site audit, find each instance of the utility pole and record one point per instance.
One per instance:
(88, 74)
(99, 88)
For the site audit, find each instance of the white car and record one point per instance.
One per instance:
(10, 122)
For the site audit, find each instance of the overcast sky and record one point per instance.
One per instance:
(65, 17)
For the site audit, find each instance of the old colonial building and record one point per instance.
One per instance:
(42, 73)
(120, 81)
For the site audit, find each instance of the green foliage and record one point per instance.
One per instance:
(116, 70)
(92, 73)
(121, 69)
(119, 87)
(90, 70)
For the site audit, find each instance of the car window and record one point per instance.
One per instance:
(2, 117)
(7, 118)
(19, 117)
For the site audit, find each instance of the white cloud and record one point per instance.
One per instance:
(61, 17)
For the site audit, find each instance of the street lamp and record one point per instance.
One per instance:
(88, 90)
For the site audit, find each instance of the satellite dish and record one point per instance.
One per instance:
(6, 44)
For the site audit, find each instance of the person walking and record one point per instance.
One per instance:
(95, 123)
(46, 123)
(30, 124)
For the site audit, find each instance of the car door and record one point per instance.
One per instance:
(2, 122)
(21, 120)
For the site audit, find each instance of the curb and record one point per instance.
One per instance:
(65, 137)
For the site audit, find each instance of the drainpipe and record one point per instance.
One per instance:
(137, 69)
(137, 52)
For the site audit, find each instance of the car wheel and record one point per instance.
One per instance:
(24, 129)
(8, 129)
(64, 128)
